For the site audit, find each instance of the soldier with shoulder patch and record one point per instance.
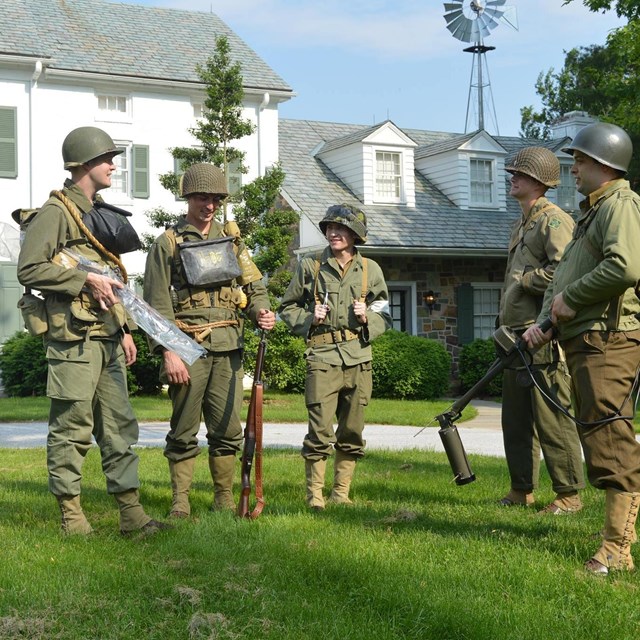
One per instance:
(199, 275)
(529, 424)
(338, 301)
(86, 333)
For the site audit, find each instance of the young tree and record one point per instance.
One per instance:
(266, 230)
(603, 80)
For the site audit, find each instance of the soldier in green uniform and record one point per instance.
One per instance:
(87, 339)
(538, 240)
(338, 302)
(210, 313)
(593, 302)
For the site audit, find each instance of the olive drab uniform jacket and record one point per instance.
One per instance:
(167, 290)
(319, 275)
(72, 312)
(601, 265)
(536, 246)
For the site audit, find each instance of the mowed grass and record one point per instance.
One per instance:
(278, 407)
(415, 557)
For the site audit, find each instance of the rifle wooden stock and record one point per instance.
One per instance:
(253, 441)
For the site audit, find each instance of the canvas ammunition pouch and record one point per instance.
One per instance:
(34, 314)
(109, 225)
(209, 263)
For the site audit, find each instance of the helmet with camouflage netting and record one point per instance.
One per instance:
(538, 163)
(85, 144)
(203, 178)
(350, 217)
(605, 142)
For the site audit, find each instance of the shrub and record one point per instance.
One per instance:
(143, 374)
(23, 365)
(284, 366)
(475, 360)
(409, 367)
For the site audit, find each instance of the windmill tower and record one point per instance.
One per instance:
(472, 21)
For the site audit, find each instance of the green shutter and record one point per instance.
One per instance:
(140, 170)
(465, 313)
(8, 142)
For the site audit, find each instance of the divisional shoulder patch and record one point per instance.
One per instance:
(555, 223)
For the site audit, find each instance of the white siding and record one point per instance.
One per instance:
(350, 165)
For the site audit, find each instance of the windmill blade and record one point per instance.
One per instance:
(454, 15)
(510, 17)
(495, 3)
(450, 6)
(461, 28)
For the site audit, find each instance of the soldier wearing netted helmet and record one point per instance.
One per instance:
(87, 333)
(338, 302)
(538, 239)
(593, 301)
(209, 306)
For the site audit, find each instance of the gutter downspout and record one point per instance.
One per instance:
(261, 107)
(37, 72)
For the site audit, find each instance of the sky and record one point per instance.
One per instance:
(362, 62)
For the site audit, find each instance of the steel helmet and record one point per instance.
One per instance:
(203, 178)
(85, 144)
(350, 217)
(605, 142)
(538, 163)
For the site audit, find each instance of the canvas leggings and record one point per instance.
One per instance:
(214, 393)
(87, 384)
(530, 424)
(603, 366)
(336, 391)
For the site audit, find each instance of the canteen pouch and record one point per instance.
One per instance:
(110, 227)
(209, 263)
(34, 314)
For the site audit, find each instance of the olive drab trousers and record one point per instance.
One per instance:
(336, 391)
(215, 393)
(87, 385)
(603, 366)
(524, 408)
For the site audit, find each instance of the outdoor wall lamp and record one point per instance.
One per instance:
(429, 300)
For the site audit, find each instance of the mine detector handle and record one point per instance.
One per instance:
(509, 347)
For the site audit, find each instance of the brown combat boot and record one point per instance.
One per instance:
(621, 512)
(133, 519)
(517, 498)
(314, 471)
(74, 521)
(343, 469)
(223, 470)
(563, 504)
(181, 472)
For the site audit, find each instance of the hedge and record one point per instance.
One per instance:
(475, 360)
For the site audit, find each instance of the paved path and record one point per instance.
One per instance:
(481, 435)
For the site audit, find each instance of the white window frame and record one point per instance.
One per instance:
(122, 158)
(107, 112)
(484, 318)
(396, 179)
(411, 312)
(565, 195)
(481, 204)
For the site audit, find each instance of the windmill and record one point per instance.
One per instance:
(472, 21)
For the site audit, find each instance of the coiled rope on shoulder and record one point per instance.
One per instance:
(201, 331)
(77, 217)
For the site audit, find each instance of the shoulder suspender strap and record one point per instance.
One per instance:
(364, 288)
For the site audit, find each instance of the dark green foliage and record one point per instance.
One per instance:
(475, 359)
(409, 367)
(23, 365)
(284, 366)
(143, 374)
(627, 8)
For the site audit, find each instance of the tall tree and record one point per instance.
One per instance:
(603, 80)
(267, 230)
(624, 8)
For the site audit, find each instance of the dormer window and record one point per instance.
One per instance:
(388, 180)
(482, 188)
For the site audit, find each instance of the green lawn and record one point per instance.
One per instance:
(278, 407)
(416, 557)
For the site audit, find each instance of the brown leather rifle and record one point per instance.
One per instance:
(253, 441)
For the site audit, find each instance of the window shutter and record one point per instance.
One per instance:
(140, 170)
(8, 142)
(465, 314)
